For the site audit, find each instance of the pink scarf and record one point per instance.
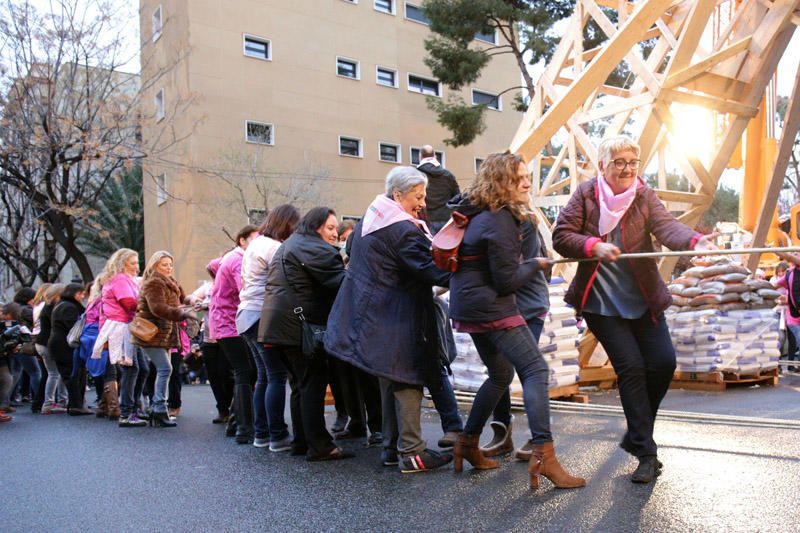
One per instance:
(383, 212)
(613, 207)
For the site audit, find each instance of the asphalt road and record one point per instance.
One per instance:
(84, 474)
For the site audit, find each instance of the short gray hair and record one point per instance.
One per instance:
(611, 145)
(403, 179)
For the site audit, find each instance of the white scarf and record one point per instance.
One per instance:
(383, 212)
(432, 160)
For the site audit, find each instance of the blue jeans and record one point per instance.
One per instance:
(30, 365)
(161, 360)
(502, 413)
(130, 377)
(503, 352)
(269, 397)
(445, 402)
(643, 357)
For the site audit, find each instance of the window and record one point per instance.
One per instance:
(348, 68)
(421, 85)
(257, 47)
(478, 163)
(415, 156)
(161, 189)
(256, 216)
(350, 146)
(487, 35)
(160, 105)
(157, 23)
(492, 101)
(259, 132)
(389, 152)
(385, 6)
(386, 76)
(415, 13)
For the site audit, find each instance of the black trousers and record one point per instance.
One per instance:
(75, 384)
(240, 360)
(220, 375)
(174, 397)
(644, 359)
(361, 395)
(308, 379)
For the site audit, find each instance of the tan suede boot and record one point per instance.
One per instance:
(467, 448)
(111, 394)
(544, 462)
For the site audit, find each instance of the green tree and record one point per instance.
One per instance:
(724, 208)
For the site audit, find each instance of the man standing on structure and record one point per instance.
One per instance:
(442, 186)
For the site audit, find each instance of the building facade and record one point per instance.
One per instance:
(259, 102)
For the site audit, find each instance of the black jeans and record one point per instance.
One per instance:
(308, 379)
(643, 357)
(75, 381)
(239, 358)
(361, 395)
(502, 413)
(220, 376)
(174, 396)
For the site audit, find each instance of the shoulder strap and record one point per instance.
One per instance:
(298, 309)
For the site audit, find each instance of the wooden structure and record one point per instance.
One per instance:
(720, 381)
(686, 73)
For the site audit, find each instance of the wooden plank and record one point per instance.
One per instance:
(528, 141)
(616, 107)
(686, 197)
(716, 85)
(558, 200)
(709, 102)
(693, 71)
(775, 183)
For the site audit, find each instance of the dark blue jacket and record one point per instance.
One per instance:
(533, 299)
(482, 290)
(383, 319)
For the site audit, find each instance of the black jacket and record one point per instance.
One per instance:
(45, 319)
(384, 319)
(483, 289)
(533, 299)
(65, 314)
(442, 186)
(315, 271)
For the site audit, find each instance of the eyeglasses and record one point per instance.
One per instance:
(620, 164)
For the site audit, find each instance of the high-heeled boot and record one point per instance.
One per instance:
(243, 405)
(467, 448)
(161, 420)
(501, 442)
(111, 395)
(545, 463)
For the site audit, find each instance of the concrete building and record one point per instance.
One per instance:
(309, 101)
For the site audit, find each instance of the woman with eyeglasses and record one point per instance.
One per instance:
(623, 301)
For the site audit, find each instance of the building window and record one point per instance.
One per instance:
(256, 216)
(160, 105)
(492, 101)
(415, 156)
(161, 189)
(415, 13)
(350, 146)
(348, 68)
(257, 47)
(478, 163)
(386, 76)
(421, 85)
(389, 152)
(487, 35)
(384, 6)
(158, 23)
(259, 132)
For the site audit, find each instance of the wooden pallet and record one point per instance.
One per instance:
(567, 393)
(720, 381)
(602, 377)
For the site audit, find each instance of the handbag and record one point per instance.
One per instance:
(312, 336)
(74, 335)
(445, 245)
(143, 329)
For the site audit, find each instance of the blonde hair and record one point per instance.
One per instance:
(611, 145)
(53, 292)
(40, 293)
(496, 185)
(114, 265)
(153, 261)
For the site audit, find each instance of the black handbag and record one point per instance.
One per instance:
(312, 336)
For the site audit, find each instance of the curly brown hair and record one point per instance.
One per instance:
(496, 185)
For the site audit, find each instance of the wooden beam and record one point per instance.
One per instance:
(685, 197)
(767, 212)
(558, 200)
(710, 102)
(557, 186)
(689, 73)
(617, 107)
(529, 141)
(716, 85)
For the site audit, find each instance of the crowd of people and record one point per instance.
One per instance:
(314, 303)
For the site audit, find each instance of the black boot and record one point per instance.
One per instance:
(161, 420)
(243, 402)
(648, 469)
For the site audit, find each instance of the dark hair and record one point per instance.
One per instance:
(245, 232)
(71, 290)
(345, 225)
(314, 219)
(24, 295)
(12, 309)
(280, 222)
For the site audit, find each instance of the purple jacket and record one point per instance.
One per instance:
(225, 295)
(576, 232)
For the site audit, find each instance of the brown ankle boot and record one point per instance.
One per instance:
(111, 395)
(467, 448)
(544, 462)
(501, 442)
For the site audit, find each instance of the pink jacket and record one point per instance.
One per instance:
(225, 295)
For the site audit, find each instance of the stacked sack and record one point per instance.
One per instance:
(722, 319)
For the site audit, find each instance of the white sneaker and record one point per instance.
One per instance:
(260, 442)
(283, 445)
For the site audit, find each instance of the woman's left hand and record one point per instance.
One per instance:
(706, 242)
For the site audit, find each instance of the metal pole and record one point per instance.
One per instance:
(685, 253)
